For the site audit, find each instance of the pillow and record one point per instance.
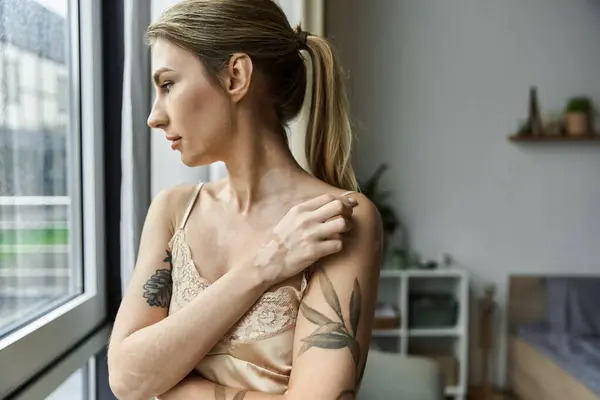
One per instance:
(572, 305)
(557, 291)
(583, 306)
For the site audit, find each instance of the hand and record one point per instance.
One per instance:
(192, 387)
(309, 231)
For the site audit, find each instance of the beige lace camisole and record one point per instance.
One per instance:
(256, 353)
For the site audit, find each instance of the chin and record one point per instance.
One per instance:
(196, 160)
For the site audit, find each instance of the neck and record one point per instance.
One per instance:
(260, 165)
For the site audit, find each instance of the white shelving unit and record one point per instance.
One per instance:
(396, 287)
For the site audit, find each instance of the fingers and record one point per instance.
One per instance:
(334, 228)
(316, 203)
(327, 247)
(334, 209)
(320, 201)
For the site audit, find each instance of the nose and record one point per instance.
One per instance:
(157, 118)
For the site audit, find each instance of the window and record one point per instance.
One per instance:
(11, 79)
(51, 219)
(76, 387)
(62, 98)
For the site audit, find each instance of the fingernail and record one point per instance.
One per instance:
(352, 201)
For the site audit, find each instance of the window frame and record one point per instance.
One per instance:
(85, 355)
(38, 344)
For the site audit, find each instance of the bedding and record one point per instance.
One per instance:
(578, 355)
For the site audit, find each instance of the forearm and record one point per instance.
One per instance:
(195, 387)
(154, 359)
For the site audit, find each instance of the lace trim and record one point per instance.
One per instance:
(274, 313)
(186, 280)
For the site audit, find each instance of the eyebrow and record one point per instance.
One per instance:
(156, 75)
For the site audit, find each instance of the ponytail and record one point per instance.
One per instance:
(329, 136)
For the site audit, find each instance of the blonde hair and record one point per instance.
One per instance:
(213, 30)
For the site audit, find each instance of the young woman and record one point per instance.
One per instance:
(262, 285)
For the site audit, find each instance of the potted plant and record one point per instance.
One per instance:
(372, 189)
(578, 116)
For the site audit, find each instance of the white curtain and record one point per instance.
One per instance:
(135, 140)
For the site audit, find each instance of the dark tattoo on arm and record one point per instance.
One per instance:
(219, 392)
(336, 335)
(158, 289)
(240, 395)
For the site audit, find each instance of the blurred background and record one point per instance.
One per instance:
(477, 139)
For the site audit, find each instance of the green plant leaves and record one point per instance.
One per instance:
(371, 189)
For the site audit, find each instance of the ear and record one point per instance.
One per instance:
(238, 76)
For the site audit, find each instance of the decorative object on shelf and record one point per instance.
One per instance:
(427, 310)
(553, 124)
(400, 259)
(372, 189)
(447, 260)
(534, 126)
(386, 317)
(573, 124)
(579, 113)
(429, 265)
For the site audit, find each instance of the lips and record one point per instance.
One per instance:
(174, 141)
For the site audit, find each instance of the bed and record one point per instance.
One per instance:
(554, 338)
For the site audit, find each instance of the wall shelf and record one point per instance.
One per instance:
(554, 138)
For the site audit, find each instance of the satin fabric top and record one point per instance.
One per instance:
(256, 353)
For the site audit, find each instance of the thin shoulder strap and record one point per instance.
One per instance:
(347, 193)
(191, 205)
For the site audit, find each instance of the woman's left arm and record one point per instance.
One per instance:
(334, 325)
(333, 331)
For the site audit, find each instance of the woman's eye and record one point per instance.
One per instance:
(167, 86)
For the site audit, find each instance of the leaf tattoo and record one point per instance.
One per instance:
(335, 335)
(314, 316)
(219, 392)
(240, 395)
(355, 303)
(330, 295)
(159, 288)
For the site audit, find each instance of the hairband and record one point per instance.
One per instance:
(301, 37)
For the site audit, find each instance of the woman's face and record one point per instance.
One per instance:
(192, 111)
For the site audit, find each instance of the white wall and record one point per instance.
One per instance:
(436, 86)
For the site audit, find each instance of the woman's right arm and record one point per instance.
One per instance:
(149, 353)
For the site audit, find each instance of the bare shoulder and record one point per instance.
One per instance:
(366, 213)
(170, 203)
(365, 216)
(366, 237)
